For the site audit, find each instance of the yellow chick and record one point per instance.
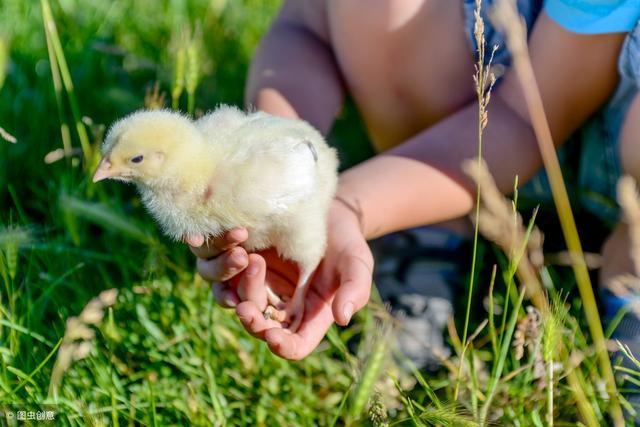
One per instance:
(273, 176)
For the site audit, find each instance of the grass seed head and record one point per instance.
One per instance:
(153, 98)
(377, 411)
(527, 332)
(193, 67)
(78, 339)
(178, 74)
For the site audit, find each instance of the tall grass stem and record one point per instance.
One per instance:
(483, 92)
(53, 38)
(507, 18)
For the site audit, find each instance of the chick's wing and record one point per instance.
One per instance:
(274, 167)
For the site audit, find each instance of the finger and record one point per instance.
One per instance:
(214, 246)
(251, 286)
(195, 240)
(224, 267)
(253, 319)
(296, 346)
(354, 290)
(224, 295)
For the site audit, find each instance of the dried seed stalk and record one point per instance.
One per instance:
(506, 18)
(78, 340)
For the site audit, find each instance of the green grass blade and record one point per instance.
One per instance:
(103, 216)
(52, 33)
(38, 368)
(502, 357)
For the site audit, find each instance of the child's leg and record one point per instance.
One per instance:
(419, 272)
(630, 140)
(616, 250)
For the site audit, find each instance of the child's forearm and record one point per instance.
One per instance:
(421, 181)
(293, 73)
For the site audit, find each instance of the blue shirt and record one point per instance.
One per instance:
(594, 16)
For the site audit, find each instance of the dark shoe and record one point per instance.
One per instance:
(628, 333)
(417, 273)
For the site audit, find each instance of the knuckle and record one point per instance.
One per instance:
(226, 274)
(209, 270)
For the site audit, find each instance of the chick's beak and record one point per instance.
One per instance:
(104, 170)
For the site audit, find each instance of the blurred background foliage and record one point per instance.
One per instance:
(165, 354)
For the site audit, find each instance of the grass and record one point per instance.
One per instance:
(161, 352)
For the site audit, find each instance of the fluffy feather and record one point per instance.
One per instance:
(274, 176)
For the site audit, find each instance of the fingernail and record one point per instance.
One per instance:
(348, 311)
(246, 321)
(229, 301)
(252, 270)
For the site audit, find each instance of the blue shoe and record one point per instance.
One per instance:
(628, 333)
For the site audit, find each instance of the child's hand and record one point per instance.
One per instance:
(219, 260)
(340, 287)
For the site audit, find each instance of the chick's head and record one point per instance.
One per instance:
(147, 146)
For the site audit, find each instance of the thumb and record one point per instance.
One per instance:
(353, 293)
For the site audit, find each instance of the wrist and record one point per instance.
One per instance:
(347, 212)
(347, 209)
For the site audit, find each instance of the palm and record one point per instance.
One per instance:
(344, 276)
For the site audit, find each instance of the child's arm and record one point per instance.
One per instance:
(293, 72)
(421, 181)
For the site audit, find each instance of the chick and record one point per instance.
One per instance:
(273, 176)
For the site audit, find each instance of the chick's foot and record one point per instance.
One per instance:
(273, 313)
(290, 317)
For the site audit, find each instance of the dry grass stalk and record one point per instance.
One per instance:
(499, 223)
(506, 18)
(7, 136)
(77, 342)
(153, 98)
(59, 154)
(484, 80)
(564, 259)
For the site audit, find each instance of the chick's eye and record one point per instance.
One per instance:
(136, 159)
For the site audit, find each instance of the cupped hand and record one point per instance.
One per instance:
(219, 260)
(340, 286)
